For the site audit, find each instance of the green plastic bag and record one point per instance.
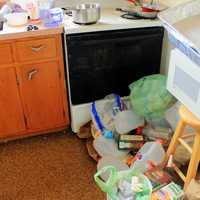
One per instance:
(149, 96)
(110, 186)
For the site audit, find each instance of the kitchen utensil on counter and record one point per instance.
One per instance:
(32, 7)
(152, 6)
(16, 19)
(1, 25)
(146, 9)
(44, 7)
(53, 17)
(32, 27)
(149, 8)
(135, 2)
(135, 15)
(88, 13)
(146, 15)
(5, 9)
(10, 7)
(46, 3)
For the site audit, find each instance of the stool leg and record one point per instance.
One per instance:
(174, 141)
(194, 161)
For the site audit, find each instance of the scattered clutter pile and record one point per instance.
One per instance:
(124, 185)
(128, 138)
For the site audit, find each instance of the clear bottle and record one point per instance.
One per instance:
(150, 152)
(45, 16)
(33, 10)
(44, 7)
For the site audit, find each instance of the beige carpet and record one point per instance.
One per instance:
(50, 167)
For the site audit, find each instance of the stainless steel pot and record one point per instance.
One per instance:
(86, 13)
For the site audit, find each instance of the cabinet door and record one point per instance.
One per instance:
(11, 112)
(42, 95)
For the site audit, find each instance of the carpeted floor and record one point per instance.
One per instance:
(50, 167)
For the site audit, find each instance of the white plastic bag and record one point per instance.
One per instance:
(103, 112)
(113, 161)
(126, 121)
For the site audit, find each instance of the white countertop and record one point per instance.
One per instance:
(9, 32)
(110, 20)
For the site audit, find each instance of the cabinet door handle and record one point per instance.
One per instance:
(37, 48)
(31, 73)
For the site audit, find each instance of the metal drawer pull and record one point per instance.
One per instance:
(31, 73)
(37, 48)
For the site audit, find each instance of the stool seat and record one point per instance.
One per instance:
(189, 118)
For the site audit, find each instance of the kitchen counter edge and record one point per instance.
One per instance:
(23, 34)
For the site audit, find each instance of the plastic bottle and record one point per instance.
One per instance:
(151, 151)
(33, 10)
(45, 6)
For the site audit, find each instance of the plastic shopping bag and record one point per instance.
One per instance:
(103, 113)
(111, 185)
(149, 96)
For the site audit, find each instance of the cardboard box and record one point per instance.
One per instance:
(171, 191)
(130, 141)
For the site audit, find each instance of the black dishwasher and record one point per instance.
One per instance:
(101, 63)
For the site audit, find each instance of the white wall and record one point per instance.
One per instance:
(172, 3)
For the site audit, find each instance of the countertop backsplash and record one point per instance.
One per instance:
(104, 3)
(115, 3)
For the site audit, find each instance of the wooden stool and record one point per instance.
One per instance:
(186, 118)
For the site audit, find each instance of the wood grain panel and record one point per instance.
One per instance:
(32, 50)
(42, 95)
(6, 54)
(11, 113)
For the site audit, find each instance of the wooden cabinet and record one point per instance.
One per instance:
(32, 50)
(6, 56)
(32, 84)
(11, 114)
(42, 95)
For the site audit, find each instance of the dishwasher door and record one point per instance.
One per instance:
(107, 62)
